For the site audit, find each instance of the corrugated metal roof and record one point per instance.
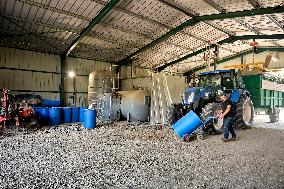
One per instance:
(52, 25)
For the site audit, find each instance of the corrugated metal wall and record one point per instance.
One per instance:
(127, 72)
(83, 68)
(27, 72)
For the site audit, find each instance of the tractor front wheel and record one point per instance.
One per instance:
(212, 109)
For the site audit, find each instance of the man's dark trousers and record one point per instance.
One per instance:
(228, 127)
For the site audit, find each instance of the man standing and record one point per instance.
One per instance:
(228, 115)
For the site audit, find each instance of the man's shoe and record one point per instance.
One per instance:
(233, 139)
(225, 139)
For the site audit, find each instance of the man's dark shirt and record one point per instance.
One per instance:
(224, 107)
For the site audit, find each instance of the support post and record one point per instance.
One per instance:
(63, 60)
(216, 53)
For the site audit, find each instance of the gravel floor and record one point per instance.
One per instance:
(128, 156)
(262, 120)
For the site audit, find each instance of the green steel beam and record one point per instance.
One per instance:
(228, 40)
(91, 25)
(63, 61)
(196, 19)
(247, 37)
(278, 49)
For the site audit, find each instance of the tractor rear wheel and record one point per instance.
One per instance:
(212, 109)
(244, 113)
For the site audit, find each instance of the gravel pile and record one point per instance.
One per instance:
(140, 156)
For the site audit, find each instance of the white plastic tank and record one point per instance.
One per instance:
(135, 105)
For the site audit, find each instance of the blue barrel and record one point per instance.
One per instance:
(75, 114)
(42, 115)
(54, 116)
(66, 114)
(51, 103)
(187, 124)
(81, 114)
(89, 119)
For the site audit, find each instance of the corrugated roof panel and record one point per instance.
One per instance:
(199, 7)
(157, 11)
(262, 24)
(25, 11)
(232, 25)
(185, 40)
(127, 22)
(120, 37)
(237, 46)
(18, 8)
(204, 31)
(270, 3)
(159, 54)
(234, 5)
(225, 52)
(3, 5)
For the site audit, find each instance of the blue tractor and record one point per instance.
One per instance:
(204, 98)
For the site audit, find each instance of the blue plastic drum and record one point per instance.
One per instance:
(51, 103)
(89, 119)
(75, 114)
(187, 124)
(42, 115)
(81, 114)
(66, 115)
(54, 116)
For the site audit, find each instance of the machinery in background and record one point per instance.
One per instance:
(205, 100)
(248, 91)
(15, 114)
(6, 109)
(114, 105)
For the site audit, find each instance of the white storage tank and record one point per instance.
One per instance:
(135, 105)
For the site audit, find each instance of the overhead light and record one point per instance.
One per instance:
(71, 74)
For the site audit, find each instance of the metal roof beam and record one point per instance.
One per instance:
(91, 25)
(228, 40)
(275, 22)
(247, 26)
(197, 19)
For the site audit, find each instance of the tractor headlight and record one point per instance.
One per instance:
(190, 98)
(206, 95)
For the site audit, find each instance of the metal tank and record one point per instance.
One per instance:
(102, 85)
(135, 105)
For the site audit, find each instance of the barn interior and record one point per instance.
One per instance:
(127, 94)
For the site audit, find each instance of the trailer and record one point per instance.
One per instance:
(267, 93)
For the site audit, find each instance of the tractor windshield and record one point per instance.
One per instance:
(210, 80)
